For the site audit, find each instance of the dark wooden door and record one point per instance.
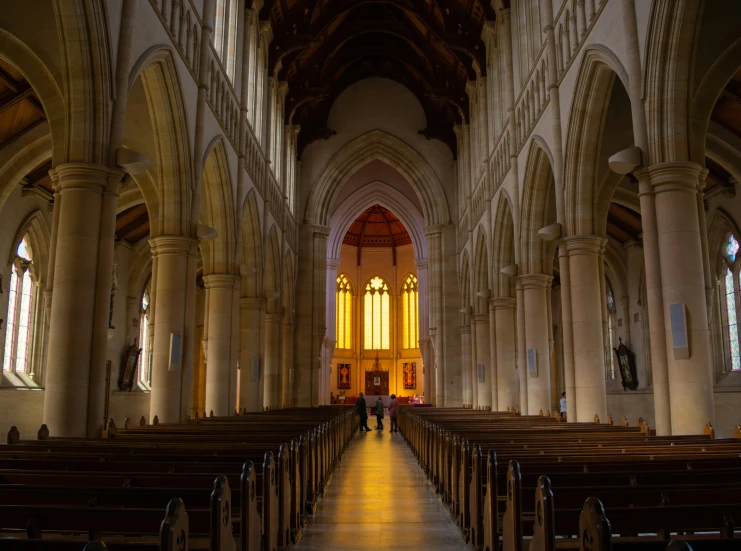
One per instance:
(371, 380)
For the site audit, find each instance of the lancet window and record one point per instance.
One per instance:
(409, 312)
(343, 318)
(376, 306)
(730, 281)
(610, 363)
(145, 358)
(21, 309)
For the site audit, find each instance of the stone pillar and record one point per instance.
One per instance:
(77, 220)
(288, 329)
(586, 311)
(172, 255)
(272, 394)
(506, 351)
(473, 369)
(675, 187)
(537, 341)
(219, 361)
(434, 247)
(483, 358)
(466, 361)
(655, 306)
(493, 377)
(249, 352)
(521, 371)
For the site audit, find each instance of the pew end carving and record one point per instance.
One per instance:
(594, 528)
(221, 516)
(512, 522)
(43, 433)
(175, 529)
(13, 435)
(544, 527)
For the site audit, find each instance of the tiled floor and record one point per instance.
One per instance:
(379, 499)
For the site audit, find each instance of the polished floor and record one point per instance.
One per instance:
(378, 498)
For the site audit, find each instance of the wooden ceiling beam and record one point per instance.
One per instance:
(9, 81)
(14, 99)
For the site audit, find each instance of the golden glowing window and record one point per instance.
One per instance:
(376, 311)
(409, 308)
(343, 331)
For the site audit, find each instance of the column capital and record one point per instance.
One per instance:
(86, 177)
(674, 176)
(322, 231)
(273, 318)
(465, 329)
(173, 244)
(480, 318)
(585, 244)
(250, 303)
(220, 281)
(420, 264)
(435, 229)
(501, 303)
(534, 281)
(333, 263)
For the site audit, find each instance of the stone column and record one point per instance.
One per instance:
(655, 306)
(81, 188)
(288, 329)
(506, 351)
(675, 187)
(172, 255)
(249, 352)
(220, 297)
(272, 394)
(472, 368)
(537, 341)
(586, 311)
(466, 360)
(493, 370)
(521, 371)
(434, 247)
(483, 358)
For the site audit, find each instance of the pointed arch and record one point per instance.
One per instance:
(219, 255)
(174, 177)
(41, 80)
(37, 229)
(273, 272)
(251, 247)
(538, 194)
(481, 273)
(377, 145)
(721, 226)
(503, 247)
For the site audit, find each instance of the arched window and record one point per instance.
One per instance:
(731, 248)
(225, 35)
(376, 315)
(21, 305)
(610, 363)
(343, 332)
(145, 363)
(409, 309)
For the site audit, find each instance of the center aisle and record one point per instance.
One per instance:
(378, 498)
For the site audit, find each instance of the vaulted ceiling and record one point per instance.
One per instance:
(320, 47)
(377, 227)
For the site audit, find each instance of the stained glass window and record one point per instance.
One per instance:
(376, 305)
(145, 358)
(343, 320)
(18, 330)
(409, 307)
(732, 321)
(731, 248)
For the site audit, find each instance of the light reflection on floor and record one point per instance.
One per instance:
(378, 498)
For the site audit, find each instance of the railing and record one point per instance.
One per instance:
(291, 230)
(533, 98)
(463, 230)
(274, 198)
(222, 99)
(479, 197)
(571, 27)
(500, 160)
(182, 22)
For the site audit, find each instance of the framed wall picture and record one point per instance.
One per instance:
(410, 376)
(343, 377)
(376, 381)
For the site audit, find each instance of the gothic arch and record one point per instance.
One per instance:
(707, 96)
(481, 273)
(720, 226)
(219, 255)
(538, 189)
(377, 145)
(156, 67)
(251, 247)
(273, 272)
(668, 65)
(582, 191)
(39, 77)
(39, 238)
(363, 199)
(18, 159)
(503, 253)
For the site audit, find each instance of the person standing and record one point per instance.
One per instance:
(362, 410)
(562, 406)
(379, 413)
(393, 412)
